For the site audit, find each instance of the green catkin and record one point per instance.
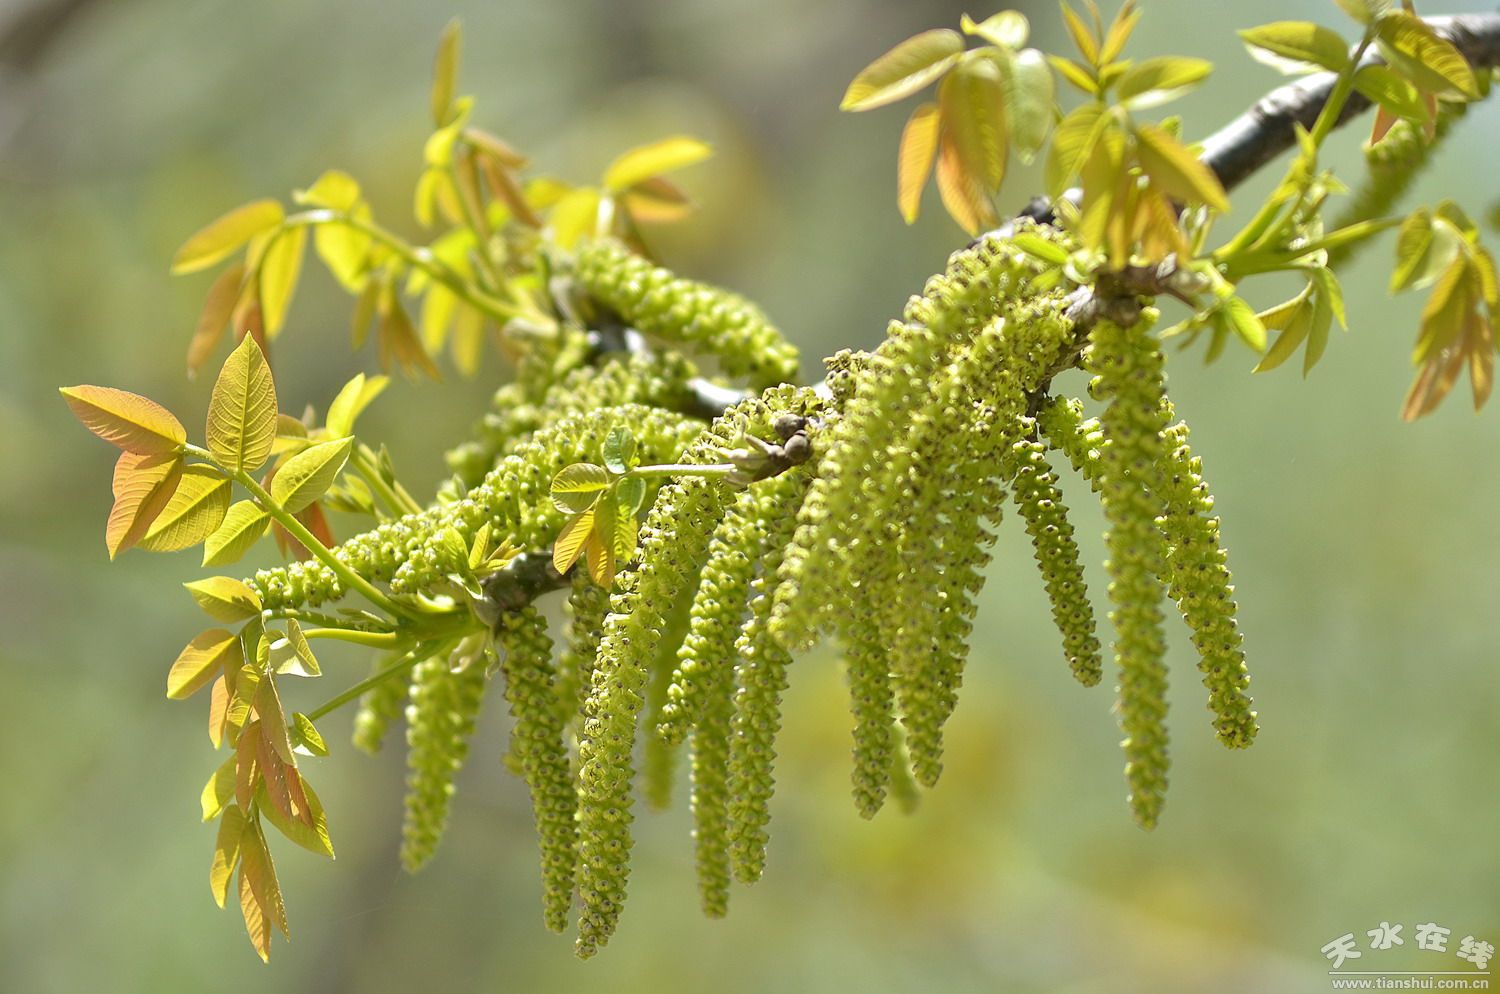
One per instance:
(872, 702)
(1079, 440)
(1199, 581)
(514, 499)
(1034, 488)
(760, 678)
(538, 746)
(662, 305)
(446, 691)
(586, 608)
(378, 707)
(904, 789)
(1128, 365)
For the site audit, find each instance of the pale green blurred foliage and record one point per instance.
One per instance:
(1363, 550)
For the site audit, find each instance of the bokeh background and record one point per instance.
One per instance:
(1364, 549)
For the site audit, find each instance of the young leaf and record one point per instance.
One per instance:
(1175, 171)
(243, 526)
(1008, 29)
(218, 793)
(619, 449)
(974, 121)
(1300, 41)
(218, 709)
(1156, 81)
(300, 661)
(308, 739)
(1030, 93)
(257, 868)
(1417, 52)
(242, 412)
(961, 194)
(399, 344)
(195, 510)
(126, 420)
(204, 658)
(1294, 330)
(647, 161)
(575, 216)
(224, 598)
(309, 473)
(445, 72)
(257, 924)
(1391, 92)
(571, 540)
(1242, 320)
(273, 720)
(904, 70)
(575, 488)
(918, 148)
(226, 234)
(351, 402)
(218, 307)
(143, 486)
(278, 277)
(1083, 35)
(308, 825)
(630, 493)
(599, 547)
(1072, 144)
(226, 853)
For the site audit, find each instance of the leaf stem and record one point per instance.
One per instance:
(685, 469)
(412, 656)
(376, 640)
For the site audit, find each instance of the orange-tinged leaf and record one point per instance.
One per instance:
(125, 420)
(1175, 171)
(399, 344)
(1443, 316)
(242, 412)
(571, 540)
(256, 922)
(273, 720)
(195, 509)
(657, 201)
(218, 793)
(226, 234)
(973, 113)
(143, 486)
(209, 654)
(904, 70)
(307, 475)
(308, 827)
(247, 764)
(242, 687)
(273, 785)
(918, 149)
(279, 271)
(962, 198)
(646, 161)
(226, 853)
(218, 710)
(256, 864)
(218, 308)
(224, 598)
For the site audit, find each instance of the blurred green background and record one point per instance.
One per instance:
(1363, 549)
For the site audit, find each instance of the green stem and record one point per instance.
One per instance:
(394, 496)
(322, 619)
(375, 640)
(412, 656)
(685, 469)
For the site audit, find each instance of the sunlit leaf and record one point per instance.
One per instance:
(903, 70)
(308, 826)
(1008, 28)
(1030, 93)
(1242, 320)
(366, 305)
(218, 307)
(646, 161)
(1119, 31)
(1076, 74)
(445, 72)
(1391, 92)
(352, 399)
(914, 157)
(226, 853)
(1417, 52)
(194, 512)
(1072, 144)
(974, 120)
(1443, 317)
(125, 420)
(279, 271)
(257, 924)
(571, 540)
(305, 476)
(226, 234)
(224, 598)
(143, 486)
(575, 216)
(1156, 81)
(296, 658)
(1176, 171)
(242, 411)
(1083, 35)
(1317, 331)
(599, 547)
(619, 450)
(243, 526)
(218, 710)
(960, 192)
(1364, 11)
(256, 865)
(1294, 330)
(308, 740)
(630, 493)
(218, 793)
(1310, 45)
(203, 659)
(576, 487)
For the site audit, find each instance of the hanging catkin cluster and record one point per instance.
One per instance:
(877, 533)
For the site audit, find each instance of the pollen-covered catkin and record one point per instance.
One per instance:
(867, 667)
(446, 691)
(537, 744)
(1080, 440)
(586, 608)
(1199, 581)
(1129, 368)
(378, 707)
(1034, 488)
(760, 679)
(658, 303)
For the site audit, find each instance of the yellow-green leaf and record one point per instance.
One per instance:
(242, 412)
(1309, 46)
(1030, 93)
(904, 70)
(243, 526)
(1446, 310)
(1072, 144)
(309, 473)
(445, 72)
(1008, 29)
(1083, 35)
(1416, 51)
(1294, 328)
(194, 512)
(961, 193)
(351, 401)
(974, 121)
(125, 420)
(575, 488)
(296, 658)
(226, 234)
(571, 540)
(1242, 320)
(143, 486)
(308, 739)
(1364, 11)
(1175, 171)
(224, 598)
(204, 658)
(918, 149)
(309, 825)
(260, 873)
(219, 791)
(226, 853)
(647, 161)
(1156, 81)
(278, 277)
(1392, 92)
(575, 216)
(1076, 74)
(273, 720)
